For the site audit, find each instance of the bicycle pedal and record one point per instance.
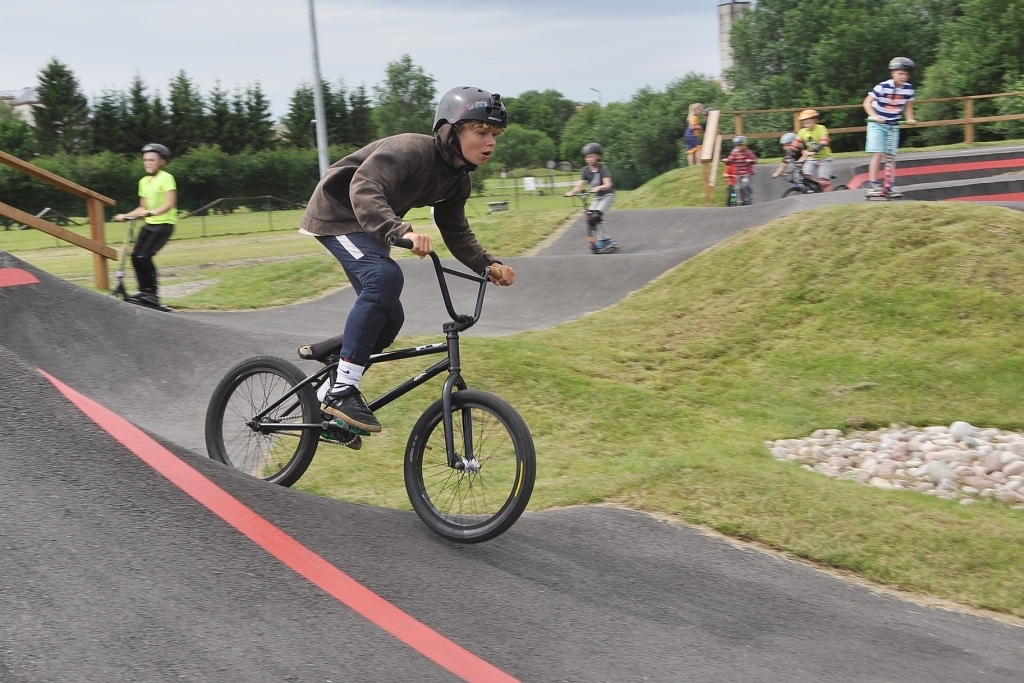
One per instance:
(349, 428)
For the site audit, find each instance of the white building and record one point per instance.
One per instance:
(22, 102)
(728, 12)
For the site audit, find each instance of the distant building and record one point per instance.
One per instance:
(21, 101)
(728, 12)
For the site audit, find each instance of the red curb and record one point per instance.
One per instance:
(11, 277)
(290, 552)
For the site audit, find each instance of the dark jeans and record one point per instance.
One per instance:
(151, 239)
(376, 316)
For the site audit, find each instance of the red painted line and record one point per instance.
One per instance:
(1005, 197)
(296, 556)
(902, 171)
(9, 277)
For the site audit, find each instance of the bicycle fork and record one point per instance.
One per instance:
(467, 462)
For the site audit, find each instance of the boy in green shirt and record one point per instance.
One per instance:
(158, 202)
(817, 155)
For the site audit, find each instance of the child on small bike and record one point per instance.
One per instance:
(360, 202)
(817, 156)
(596, 177)
(792, 152)
(885, 105)
(743, 161)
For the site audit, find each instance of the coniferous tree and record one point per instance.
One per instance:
(139, 128)
(62, 115)
(218, 121)
(109, 124)
(259, 125)
(159, 125)
(236, 134)
(301, 112)
(339, 123)
(187, 125)
(364, 131)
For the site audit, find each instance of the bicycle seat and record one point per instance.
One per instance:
(324, 351)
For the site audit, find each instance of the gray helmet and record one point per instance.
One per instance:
(593, 148)
(739, 140)
(902, 64)
(159, 149)
(470, 104)
(787, 138)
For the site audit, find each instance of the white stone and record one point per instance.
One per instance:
(967, 501)
(1015, 467)
(961, 429)
(880, 483)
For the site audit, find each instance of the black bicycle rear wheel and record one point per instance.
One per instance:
(249, 388)
(486, 497)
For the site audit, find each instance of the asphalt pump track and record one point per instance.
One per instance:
(119, 562)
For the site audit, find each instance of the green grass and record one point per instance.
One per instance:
(240, 263)
(678, 187)
(663, 401)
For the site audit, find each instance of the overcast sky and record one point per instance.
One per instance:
(614, 46)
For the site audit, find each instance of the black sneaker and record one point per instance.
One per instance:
(348, 405)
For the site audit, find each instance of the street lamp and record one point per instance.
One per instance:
(600, 100)
(318, 98)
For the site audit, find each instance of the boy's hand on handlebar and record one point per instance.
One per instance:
(570, 193)
(501, 274)
(421, 244)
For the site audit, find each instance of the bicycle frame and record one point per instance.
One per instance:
(452, 364)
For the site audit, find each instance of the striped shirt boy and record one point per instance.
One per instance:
(891, 99)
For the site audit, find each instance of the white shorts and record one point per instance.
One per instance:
(818, 168)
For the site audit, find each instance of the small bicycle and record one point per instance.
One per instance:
(470, 462)
(891, 150)
(799, 184)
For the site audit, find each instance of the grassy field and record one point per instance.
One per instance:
(241, 263)
(663, 402)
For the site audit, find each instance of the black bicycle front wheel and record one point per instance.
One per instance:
(488, 491)
(792, 191)
(278, 455)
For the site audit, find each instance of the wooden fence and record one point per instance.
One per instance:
(94, 203)
(968, 120)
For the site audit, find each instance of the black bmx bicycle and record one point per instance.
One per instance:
(470, 463)
(800, 184)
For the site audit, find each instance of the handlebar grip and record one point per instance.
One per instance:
(400, 242)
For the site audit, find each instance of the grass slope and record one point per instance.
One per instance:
(663, 401)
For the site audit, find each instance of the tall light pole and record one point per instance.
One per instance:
(600, 100)
(318, 98)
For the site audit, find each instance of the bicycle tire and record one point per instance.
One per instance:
(246, 390)
(791, 190)
(471, 507)
(840, 187)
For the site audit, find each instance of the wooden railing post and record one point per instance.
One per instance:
(737, 121)
(99, 263)
(969, 118)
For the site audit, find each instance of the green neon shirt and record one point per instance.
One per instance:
(154, 189)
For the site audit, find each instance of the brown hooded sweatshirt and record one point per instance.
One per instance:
(373, 188)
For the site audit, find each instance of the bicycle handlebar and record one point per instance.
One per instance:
(467, 320)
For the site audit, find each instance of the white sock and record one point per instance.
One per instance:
(349, 374)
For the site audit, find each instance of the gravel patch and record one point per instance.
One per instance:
(959, 462)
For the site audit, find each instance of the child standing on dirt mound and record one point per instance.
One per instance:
(884, 105)
(158, 202)
(360, 202)
(596, 177)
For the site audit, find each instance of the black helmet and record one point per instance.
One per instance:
(902, 64)
(593, 148)
(470, 104)
(159, 149)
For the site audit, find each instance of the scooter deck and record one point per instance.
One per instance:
(155, 307)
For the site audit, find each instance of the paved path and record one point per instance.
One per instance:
(111, 573)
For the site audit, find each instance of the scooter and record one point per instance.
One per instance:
(119, 291)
